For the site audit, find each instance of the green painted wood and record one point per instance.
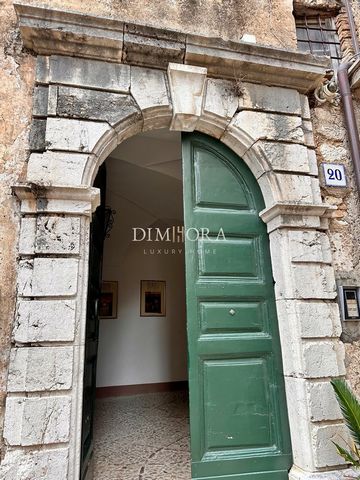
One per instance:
(92, 323)
(238, 414)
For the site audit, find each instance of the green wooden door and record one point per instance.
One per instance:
(238, 415)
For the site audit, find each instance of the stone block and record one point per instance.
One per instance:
(35, 369)
(149, 87)
(305, 108)
(44, 277)
(299, 280)
(81, 72)
(45, 321)
(270, 99)
(338, 474)
(325, 452)
(313, 281)
(152, 46)
(52, 100)
(298, 410)
(322, 402)
(150, 90)
(269, 126)
(37, 420)
(96, 105)
(42, 69)
(35, 465)
(313, 165)
(298, 188)
(58, 235)
(308, 133)
(219, 107)
(47, 168)
(75, 135)
(27, 236)
(309, 246)
(37, 135)
(40, 101)
(221, 99)
(318, 319)
(287, 157)
(187, 88)
(323, 359)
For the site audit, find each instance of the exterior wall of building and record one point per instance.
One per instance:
(228, 20)
(17, 73)
(69, 216)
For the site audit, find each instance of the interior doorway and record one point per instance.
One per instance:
(141, 425)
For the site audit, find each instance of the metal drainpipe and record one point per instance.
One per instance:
(350, 120)
(347, 100)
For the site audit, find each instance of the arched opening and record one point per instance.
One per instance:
(237, 395)
(141, 422)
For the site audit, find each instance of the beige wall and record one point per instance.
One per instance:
(16, 85)
(227, 19)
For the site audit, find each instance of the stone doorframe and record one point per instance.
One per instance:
(83, 108)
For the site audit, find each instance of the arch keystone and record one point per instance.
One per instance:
(187, 88)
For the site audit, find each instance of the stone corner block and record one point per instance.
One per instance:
(187, 89)
(50, 168)
(37, 420)
(76, 135)
(44, 277)
(35, 369)
(35, 464)
(324, 359)
(45, 321)
(57, 235)
(325, 452)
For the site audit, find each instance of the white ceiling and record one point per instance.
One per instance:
(146, 172)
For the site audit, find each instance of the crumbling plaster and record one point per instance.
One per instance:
(16, 88)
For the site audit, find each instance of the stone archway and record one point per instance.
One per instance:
(269, 127)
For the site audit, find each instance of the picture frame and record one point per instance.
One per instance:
(108, 302)
(152, 298)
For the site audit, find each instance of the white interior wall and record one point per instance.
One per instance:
(145, 188)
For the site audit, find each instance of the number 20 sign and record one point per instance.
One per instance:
(334, 175)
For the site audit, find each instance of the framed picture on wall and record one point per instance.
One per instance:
(152, 298)
(108, 300)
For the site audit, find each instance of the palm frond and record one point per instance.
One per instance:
(350, 408)
(347, 455)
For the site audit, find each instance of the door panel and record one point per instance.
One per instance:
(92, 322)
(238, 415)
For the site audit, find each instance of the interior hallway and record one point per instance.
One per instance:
(142, 437)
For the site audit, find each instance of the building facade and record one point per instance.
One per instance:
(77, 81)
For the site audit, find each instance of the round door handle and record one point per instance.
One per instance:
(232, 312)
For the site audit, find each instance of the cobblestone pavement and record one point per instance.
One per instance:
(142, 437)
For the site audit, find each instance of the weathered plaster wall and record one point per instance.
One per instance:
(332, 147)
(227, 19)
(16, 84)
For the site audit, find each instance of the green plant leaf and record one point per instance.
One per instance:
(347, 455)
(350, 408)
